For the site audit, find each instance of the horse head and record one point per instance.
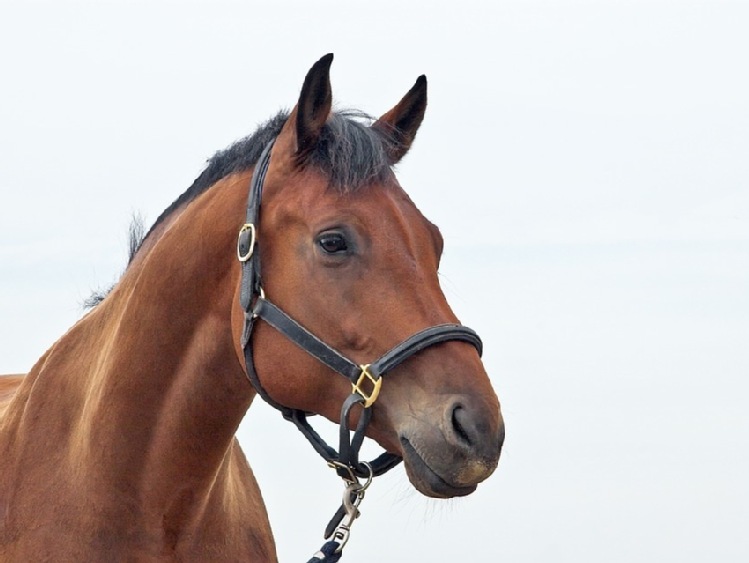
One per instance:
(346, 254)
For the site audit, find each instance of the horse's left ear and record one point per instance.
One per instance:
(400, 124)
(314, 105)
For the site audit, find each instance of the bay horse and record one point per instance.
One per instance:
(119, 443)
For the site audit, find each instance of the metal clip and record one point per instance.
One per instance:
(343, 531)
(353, 494)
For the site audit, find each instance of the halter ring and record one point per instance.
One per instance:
(371, 397)
(247, 227)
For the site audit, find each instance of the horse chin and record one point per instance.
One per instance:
(429, 480)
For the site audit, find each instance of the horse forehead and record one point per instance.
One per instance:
(383, 209)
(378, 204)
(393, 210)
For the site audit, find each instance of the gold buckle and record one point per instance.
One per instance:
(246, 227)
(371, 397)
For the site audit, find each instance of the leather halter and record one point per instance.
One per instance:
(257, 306)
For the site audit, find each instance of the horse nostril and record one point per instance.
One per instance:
(460, 422)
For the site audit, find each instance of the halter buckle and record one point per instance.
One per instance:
(245, 255)
(356, 388)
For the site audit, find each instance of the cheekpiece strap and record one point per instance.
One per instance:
(247, 251)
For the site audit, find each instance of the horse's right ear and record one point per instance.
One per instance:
(314, 105)
(401, 123)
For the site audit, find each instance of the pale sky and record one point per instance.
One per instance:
(587, 165)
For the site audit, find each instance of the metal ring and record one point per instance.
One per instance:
(247, 255)
(261, 296)
(371, 397)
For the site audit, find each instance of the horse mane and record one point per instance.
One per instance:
(350, 152)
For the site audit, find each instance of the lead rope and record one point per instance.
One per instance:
(328, 554)
(338, 530)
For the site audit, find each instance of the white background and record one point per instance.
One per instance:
(587, 163)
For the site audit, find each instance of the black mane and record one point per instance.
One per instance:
(352, 155)
(350, 152)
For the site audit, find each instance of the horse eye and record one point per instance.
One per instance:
(332, 243)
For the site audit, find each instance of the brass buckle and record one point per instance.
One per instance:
(371, 397)
(246, 227)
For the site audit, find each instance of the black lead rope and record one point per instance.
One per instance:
(329, 553)
(365, 379)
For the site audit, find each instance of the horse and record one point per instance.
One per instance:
(8, 385)
(119, 444)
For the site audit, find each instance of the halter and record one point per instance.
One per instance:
(366, 379)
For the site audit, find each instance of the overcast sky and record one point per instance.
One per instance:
(587, 164)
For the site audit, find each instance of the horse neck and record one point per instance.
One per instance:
(150, 380)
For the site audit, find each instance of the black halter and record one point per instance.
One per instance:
(253, 301)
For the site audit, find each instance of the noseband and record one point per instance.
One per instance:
(366, 379)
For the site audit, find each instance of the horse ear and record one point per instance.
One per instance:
(400, 124)
(314, 105)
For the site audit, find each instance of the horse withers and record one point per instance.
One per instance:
(119, 443)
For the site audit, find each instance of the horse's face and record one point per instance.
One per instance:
(358, 268)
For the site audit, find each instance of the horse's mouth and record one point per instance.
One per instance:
(426, 479)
